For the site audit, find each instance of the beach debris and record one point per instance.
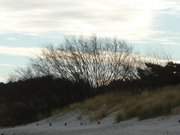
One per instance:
(50, 124)
(98, 122)
(65, 124)
(81, 123)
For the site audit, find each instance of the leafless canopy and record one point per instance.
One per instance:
(94, 60)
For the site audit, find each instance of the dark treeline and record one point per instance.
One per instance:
(153, 76)
(77, 70)
(33, 99)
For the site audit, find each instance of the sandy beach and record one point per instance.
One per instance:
(73, 124)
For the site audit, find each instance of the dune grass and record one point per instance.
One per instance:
(148, 104)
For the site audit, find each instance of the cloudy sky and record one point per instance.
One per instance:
(26, 26)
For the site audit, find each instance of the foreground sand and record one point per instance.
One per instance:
(76, 125)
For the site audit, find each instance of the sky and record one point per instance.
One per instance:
(26, 26)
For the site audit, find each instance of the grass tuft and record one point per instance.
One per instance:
(149, 104)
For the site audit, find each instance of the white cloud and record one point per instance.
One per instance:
(20, 51)
(3, 79)
(170, 7)
(130, 19)
(7, 66)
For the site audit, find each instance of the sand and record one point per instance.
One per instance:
(74, 124)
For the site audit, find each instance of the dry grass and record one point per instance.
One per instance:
(125, 106)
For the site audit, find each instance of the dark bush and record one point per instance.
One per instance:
(32, 99)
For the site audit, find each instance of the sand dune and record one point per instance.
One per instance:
(73, 124)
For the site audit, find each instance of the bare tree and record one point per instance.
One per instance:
(94, 60)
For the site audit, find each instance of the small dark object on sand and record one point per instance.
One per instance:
(81, 123)
(98, 122)
(2, 133)
(50, 124)
(65, 124)
(179, 121)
